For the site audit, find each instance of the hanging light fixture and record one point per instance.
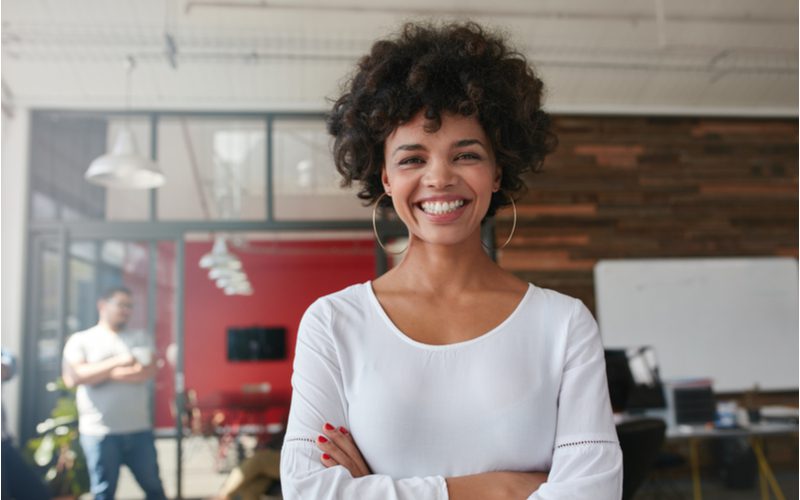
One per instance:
(124, 167)
(219, 257)
(241, 289)
(225, 269)
(235, 279)
(217, 274)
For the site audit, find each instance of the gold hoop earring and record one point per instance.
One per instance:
(513, 225)
(375, 227)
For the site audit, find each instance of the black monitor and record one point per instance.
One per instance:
(634, 384)
(256, 343)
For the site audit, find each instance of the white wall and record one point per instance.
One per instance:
(13, 213)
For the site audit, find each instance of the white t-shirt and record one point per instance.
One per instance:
(529, 395)
(109, 407)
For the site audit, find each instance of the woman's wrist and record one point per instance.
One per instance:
(486, 486)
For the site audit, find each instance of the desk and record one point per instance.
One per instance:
(244, 407)
(755, 434)
(229, 414)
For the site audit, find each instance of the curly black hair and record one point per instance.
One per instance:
(458, 68)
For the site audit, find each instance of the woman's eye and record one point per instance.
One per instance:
(411, 161)
(468, 156)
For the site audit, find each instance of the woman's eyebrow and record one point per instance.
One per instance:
(419, 147)
(408, 147)
(468, 142)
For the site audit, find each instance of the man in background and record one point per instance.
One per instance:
(111, 368)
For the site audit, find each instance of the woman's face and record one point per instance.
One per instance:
(441, 183)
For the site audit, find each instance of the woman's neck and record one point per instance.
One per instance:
(444, 269)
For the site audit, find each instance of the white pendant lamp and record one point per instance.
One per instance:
(124, 167)
(225, 269)
(235, 279)
(219, 257)
(242, 289)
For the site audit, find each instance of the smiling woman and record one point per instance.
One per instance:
(447, 377)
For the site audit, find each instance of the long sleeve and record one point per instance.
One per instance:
(318, 397)
(587, 460)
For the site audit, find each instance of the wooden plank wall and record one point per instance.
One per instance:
(639, 187)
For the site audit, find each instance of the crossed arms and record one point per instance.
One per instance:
(119, 368)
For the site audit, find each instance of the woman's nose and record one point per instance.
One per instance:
(439, 174)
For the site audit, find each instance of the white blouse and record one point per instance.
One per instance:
(529, 395)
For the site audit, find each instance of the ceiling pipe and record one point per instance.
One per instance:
(470, 12)
(658, 60)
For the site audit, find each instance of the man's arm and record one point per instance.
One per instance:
(135, 373)
(75, 374)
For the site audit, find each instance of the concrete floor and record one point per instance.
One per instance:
(200, 477)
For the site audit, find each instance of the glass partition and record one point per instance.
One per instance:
(307, 185)
(215, 168)
(148, 270)
(61, 149)
(94, 266)
(44, 336)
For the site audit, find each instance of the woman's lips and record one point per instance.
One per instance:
(445, 216)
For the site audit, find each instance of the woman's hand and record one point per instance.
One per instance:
(339, 448)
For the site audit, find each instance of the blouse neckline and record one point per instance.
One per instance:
(373, 298)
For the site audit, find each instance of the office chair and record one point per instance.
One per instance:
(641, 441)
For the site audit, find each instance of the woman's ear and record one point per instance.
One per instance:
(498, 178)
(385, 181)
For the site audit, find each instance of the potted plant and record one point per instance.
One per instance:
(58, 449)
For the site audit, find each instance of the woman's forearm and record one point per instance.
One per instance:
(340, 449)
(495, 485)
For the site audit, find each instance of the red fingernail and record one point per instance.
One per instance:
(325, 456)
(329, 427)
(342, 430)
(322, 439)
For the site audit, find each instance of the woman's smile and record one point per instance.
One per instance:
(442, 209)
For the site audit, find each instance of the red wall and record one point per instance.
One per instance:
(287, 277)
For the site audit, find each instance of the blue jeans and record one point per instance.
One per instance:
(105, 454)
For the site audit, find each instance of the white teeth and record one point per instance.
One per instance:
(441, 207)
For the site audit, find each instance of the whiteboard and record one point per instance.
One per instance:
(734, 320)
